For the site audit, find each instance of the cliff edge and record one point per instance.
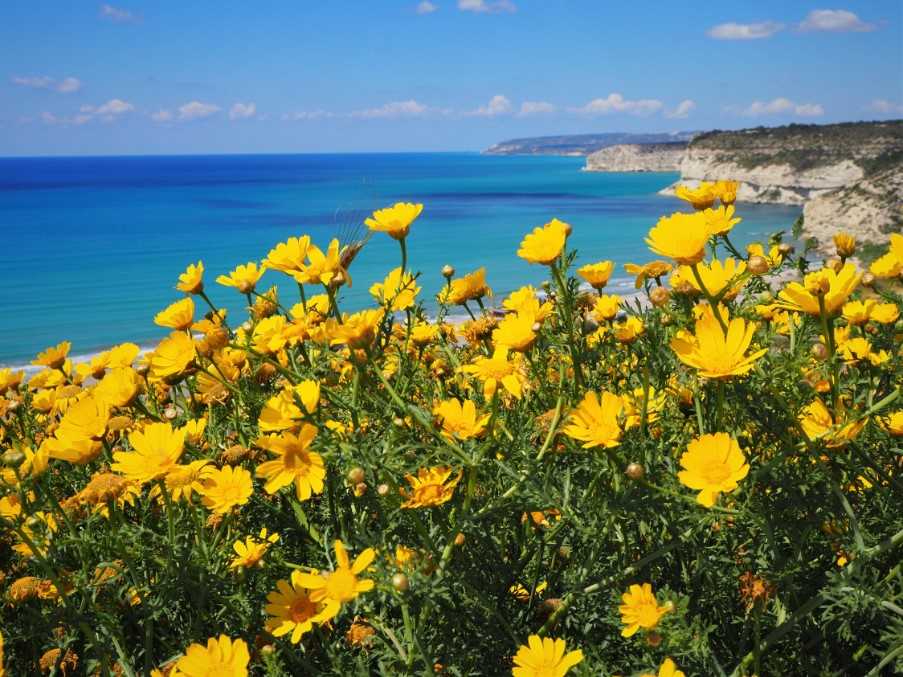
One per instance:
(650, 157)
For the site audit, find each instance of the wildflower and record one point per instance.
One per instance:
(894, 423)
(754, 590)
(886, 266)
(291, 609)
(544, 657)
(172, 355)
(226, 488)
(430, 488)
(525, 301)
(820, 425)
(859, 349)
(222, 657)
(836, 288)
(720, 279)
(398, 291)
(295, 462)
(726, 191)
(194, 430)
(701, 197)
(104, 487)
(721, 220)
(845, 245)
(522, 594)
(716, 354)
(545, 243)
(395, 220)
(653, 270)
(597, 274)
(627, 330)
(359, 634)
(666, 669)
(323, 268)
(33, 464)
(497, 370)
(157, 449)
(288, 257)
(178, 315)
(357, 331)
(516, 332)
(596, 420)
(460, 419)
(192, 280)
(772, 258)
(682, 237)
(712, 464)
(10, 380)
(250, 552)
(243, 278)
(119, 387)
(606, 307)
(335, 588)
(463, 289)
(183, 481)
(640, 609)
(67, 662)
(77, 439)
(424, 333)
(53, 357)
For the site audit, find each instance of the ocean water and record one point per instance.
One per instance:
(93, 246)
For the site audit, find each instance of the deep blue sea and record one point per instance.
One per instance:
(93, 245)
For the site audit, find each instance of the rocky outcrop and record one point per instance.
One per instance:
(848, 176)
(581, 144)
(650, 157)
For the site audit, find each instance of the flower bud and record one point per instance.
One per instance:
(868, 280)
(536, 327)
(448, 272)
(659, 296)
(635, 471)
(360, 489)
(819, 351)
(667, 320)
(786, 248)
(382, 489)
(170, 413)
(13, 458)
(653, 639)
(400, 582)
(568, 229)
(834, 264)
(757, 265)
(459, 539)
(356, 475)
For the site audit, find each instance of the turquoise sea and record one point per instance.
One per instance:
(93, 245)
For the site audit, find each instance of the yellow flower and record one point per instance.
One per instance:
(525, 301)
(496, 370)
(33, 465)
(460, 420)
(516, 331)
(179, 315)
(357, 331)
(323, 268)
(667, 669)
(545, 243)
(726, 191)
(682, 237)
(885, 313)
(192, 280)
(226, 488)
(653, 270)
(628, 329)
(463, 289)
(544, 657)
(119, 387)
(714, 353)
(522, 594)
(399, 290)
(606, 307)
(244, 277)
(335, 588)
(182, 481)
(269, 335)
(53, 357)
(886, 267)
(717, 277)
(597, 274)
(712, 464)
(295, 462)
(894, 423)
(172, 355)
(157, 449)
(2, 658)
(820, 425)
(222, 657)
(430, 488)
(291, 609)
(596, 420)
(395, 220)
(10, 380)
(77, 438)
(288, 257)
(701, 197)
(194, 429)
(845, 244)
(640, 609)
(721, 220)
(835, 287)
(424, 333)
(773, 257)
(250, 552)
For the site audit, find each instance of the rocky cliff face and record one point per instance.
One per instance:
(650, 157)
(848, 176)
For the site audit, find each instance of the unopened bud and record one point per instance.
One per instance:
(459, 539)
(536, 327)
(653, 639)
(757, 265)
(356, 475)
(13, 458)
(659, 296)
(868, 279)
(360, 489)
(635, 471)
(382, 489)
(834, 264)
(819, 351)
(568, 229)
(786, 248)
(448, 271)
(400, 582)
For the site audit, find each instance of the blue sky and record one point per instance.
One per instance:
(168, 76)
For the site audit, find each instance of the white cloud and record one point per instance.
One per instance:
(485, 7)
(885, 107)
(498, 105)
(426, 7)
(779, 106)
(394, 109)
(240, 111)
(117, 14)
(114, 107)
(682, 110)
(194, 110)
(49, 118)
(65, 86)
(106, 112)
(536, 108)
(753, 31)
(162, 115)
(616, 103)
(308, 115)
(835, 21)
